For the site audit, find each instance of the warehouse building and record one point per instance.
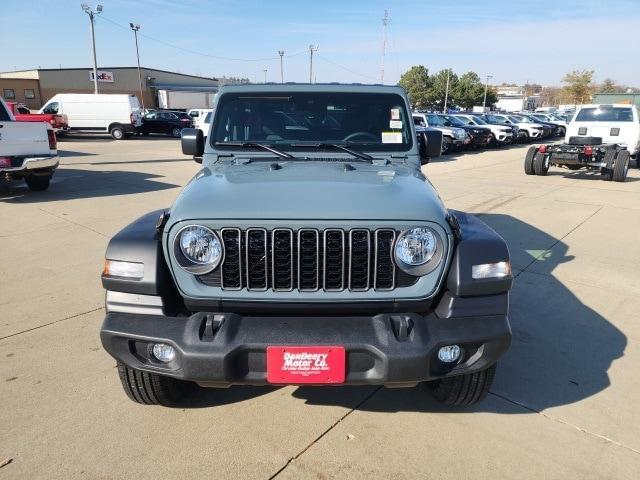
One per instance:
(35, 87)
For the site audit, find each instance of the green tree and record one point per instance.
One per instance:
(438, 88)
(579, 86)
(470, 91)
(609, 86)
(416, 82)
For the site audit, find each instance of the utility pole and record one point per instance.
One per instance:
(385, 22)
(486, 87)
(312, 48)
(281, 53)
(92, 14)
(265, 75)
(135, 29)
(446, 92)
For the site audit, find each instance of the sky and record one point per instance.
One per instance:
(515, 42)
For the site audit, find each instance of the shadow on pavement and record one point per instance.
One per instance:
(560, 354)
(71, 153)
(70, 183)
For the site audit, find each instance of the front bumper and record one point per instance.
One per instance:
(32, 163)
(221, 349)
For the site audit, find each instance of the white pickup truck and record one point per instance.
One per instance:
(28, 150)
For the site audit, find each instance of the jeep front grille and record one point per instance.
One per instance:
(307, 260)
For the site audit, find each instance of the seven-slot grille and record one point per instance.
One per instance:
(307, 260)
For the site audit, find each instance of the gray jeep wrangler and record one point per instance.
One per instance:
(309, 249)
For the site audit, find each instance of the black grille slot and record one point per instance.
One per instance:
(384, 269)
(308, 260)
(359, 259)
(232, 266)
(282, 259)
(333, 260)
(256, 259)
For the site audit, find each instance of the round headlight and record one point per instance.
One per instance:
(198, 249)
(418, 251)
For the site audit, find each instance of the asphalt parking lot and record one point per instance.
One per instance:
(564, 404)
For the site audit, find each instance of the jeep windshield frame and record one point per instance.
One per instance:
(360, 121)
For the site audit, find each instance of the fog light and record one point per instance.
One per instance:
(449, 353)
(163, 352)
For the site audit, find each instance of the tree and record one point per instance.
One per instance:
(578, 86)
(438, 89)
(469, 91)
(416, 82)
(609, 86)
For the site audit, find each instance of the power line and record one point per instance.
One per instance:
(194, 52)
(346, 69)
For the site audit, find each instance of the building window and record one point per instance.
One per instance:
(9, 94)
(29, 94)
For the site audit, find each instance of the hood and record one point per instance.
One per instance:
(308, 189)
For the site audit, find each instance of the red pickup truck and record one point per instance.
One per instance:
(22, 114)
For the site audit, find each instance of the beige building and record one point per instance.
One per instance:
(45, 83)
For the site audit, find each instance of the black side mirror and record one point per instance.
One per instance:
(423, 149)
(193, 143)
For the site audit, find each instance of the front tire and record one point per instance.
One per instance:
(446, 145)
(150, 388)
(540, 164)
(176, 132)
(621, 166)
(463, 390)
(38, 183)
(117, 133)
(528, 160)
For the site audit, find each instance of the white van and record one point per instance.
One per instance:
(117, 114)
(617, 124)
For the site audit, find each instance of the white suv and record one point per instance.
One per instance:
(615, 124)
(503, 134)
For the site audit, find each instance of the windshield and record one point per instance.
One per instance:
(496, 119)
(363, 121)
(435, 120)
(456, 122)
(479, 120)
(207, 118)
(605, 114)
(514, 119)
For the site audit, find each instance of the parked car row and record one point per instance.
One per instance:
(481, 130)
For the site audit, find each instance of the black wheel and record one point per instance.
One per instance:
(117, 133)
(446, 145)
(607, 172)
(176, 132)
(463, 390)
(621, 166)
(540, 164)
(37, 183)
(528, 160)
(150, 388)
(525, 138)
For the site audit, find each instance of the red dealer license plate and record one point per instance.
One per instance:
(305, 364)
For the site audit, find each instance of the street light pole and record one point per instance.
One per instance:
(92, 14)
(486, 87)
(312, 49)
(446, 92)
(265, 75)
(281, 53)
(135, 29)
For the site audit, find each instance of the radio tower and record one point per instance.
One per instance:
(385, 21)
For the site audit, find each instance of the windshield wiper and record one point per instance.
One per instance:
(360, 155)
(275, 151)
